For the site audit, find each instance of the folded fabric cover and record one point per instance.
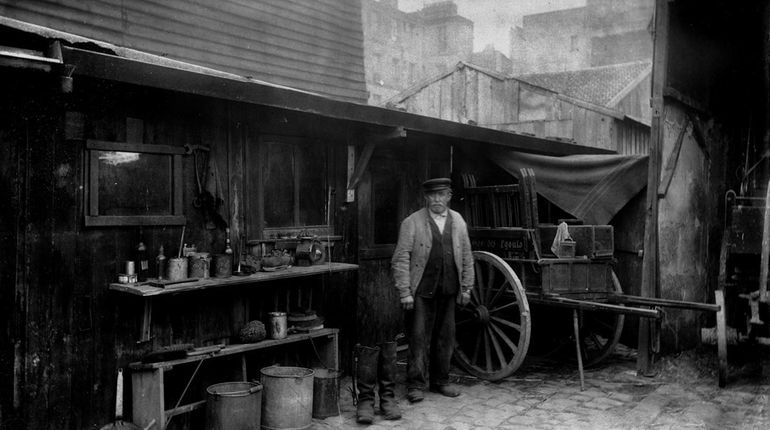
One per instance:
(589, 187)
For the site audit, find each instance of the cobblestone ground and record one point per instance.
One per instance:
(547, 395)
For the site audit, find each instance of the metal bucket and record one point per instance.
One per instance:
(326, 393)
(288, 398)
(234, 406)
(177, 269)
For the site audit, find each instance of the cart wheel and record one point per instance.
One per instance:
(493, 330)
(600, 331)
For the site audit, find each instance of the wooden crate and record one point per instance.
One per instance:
(575, 276)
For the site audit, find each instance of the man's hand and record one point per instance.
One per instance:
(465, 298)
(407, 303)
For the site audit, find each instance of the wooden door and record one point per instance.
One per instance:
(387, 193)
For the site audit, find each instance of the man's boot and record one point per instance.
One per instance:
(386, 371)
(366, 377)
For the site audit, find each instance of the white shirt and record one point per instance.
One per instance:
(440, 220)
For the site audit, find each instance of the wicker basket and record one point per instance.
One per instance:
(566, 249)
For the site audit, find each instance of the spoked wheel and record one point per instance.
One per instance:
(493, 330)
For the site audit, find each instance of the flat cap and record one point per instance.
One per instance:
(436, 184)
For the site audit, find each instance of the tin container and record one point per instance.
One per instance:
(130, 268)
(223, 265)
(177, 269)
(127, 278)
(200, 265)
(278, 328)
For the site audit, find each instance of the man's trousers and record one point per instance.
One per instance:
(431, 341)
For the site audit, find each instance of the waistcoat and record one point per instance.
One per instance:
(440, 276)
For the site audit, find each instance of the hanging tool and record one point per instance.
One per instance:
(207, 201)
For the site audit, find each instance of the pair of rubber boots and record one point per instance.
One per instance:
(376, 365)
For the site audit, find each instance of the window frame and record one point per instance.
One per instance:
(92, 218)
(267, 231)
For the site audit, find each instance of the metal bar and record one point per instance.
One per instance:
(650, 301)
(593, 306)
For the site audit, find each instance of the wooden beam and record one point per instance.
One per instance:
(765, 256)
(366, 154)
(673, 159)
(650, 270)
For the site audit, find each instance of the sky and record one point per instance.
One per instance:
(492, 18)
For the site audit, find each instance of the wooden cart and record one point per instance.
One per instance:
(572, 301)
(744, 261)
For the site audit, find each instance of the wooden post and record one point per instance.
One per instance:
(719, 299)
(576, 327)
(650, 282)
(765, 256)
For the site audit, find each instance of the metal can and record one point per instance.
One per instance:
(130, 268)
(278, 328)
(223, 265)
(177, 269)
(200, 265)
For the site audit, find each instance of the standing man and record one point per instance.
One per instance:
(433, 269)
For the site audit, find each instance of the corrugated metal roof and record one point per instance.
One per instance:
(314, 45)
(598, 85)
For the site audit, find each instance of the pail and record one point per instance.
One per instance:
(223, 265)
(200, 265)
(326, 393)
(288, 398)
(177, 269)
(234, 406)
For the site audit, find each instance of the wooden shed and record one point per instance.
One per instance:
(309, 45)
(709, 135)
(605, 107)
(101, 150)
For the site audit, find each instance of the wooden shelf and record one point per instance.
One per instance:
(238, 348)
(148, 292)
(145, 290)
(149, 379)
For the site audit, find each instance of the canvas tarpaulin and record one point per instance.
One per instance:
(592, 188)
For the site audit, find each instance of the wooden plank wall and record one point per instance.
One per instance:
(467, 95)
(314, 45)
(507, 104)
(68, 333)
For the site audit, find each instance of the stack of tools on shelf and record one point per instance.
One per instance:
(168, 352)
(277, 260)
(179, 351)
